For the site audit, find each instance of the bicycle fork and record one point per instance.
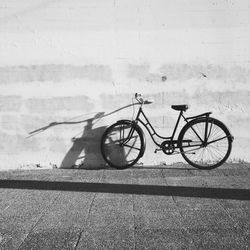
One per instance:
(129, 136)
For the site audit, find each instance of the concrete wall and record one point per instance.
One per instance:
(67, 61)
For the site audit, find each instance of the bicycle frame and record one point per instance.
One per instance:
(151, 129)
(169, 139)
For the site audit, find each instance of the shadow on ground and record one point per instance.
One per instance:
(202, 192)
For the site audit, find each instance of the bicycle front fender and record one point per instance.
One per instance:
(135, 125)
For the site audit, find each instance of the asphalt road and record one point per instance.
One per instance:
(171, 207)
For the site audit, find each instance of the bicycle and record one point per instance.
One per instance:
(204, 142)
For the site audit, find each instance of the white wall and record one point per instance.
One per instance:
(66, 60)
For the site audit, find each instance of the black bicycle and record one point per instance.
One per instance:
(204, 142)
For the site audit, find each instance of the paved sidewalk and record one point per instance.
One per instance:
(172, 207)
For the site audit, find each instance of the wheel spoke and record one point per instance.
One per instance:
(219, 139)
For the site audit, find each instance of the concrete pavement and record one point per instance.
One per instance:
(163, 207)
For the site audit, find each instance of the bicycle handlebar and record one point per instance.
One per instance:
(140, 99)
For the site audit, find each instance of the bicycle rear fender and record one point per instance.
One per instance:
(135, 125)
(199, 116)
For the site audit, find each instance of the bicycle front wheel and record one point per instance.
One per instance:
(122, 144)
(206, 153)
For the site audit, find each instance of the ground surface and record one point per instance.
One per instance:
(172, 207)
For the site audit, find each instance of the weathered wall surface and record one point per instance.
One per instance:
(62, 64)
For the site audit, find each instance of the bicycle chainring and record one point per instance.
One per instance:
(168, 147)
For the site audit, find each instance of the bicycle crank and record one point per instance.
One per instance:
(168, 147)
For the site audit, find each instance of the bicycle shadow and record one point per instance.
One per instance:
(85, 151)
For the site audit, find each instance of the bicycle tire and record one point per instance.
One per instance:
(115, 152)
(209, 156)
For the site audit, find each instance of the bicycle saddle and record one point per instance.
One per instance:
(180, 107)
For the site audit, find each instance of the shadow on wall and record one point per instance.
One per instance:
(89, 142)
(85, 152)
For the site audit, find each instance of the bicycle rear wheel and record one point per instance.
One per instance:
(205, 154)
(122, 144)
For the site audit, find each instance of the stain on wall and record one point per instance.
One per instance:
(10, 103)
(50, 105)
(53, 73)
(184, 72)
(15, 144)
